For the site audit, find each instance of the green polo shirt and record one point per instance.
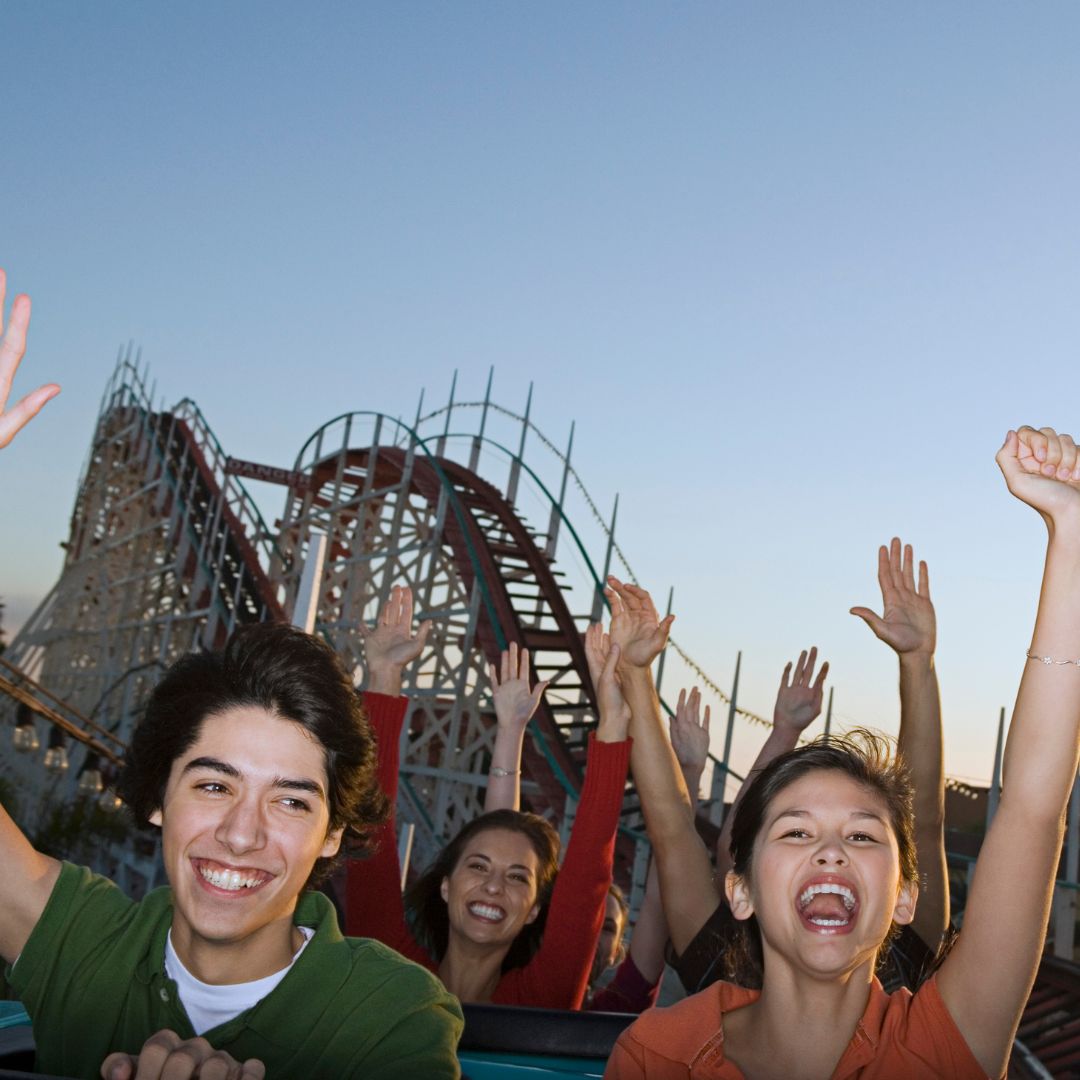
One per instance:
(92, 978)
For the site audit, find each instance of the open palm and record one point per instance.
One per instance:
(907, 623)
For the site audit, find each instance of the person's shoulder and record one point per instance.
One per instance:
(678, 1031)
(380, 970)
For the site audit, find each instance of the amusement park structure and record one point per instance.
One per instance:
(168, 553)
(470, 504)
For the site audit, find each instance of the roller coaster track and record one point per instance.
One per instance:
(1050, 1027)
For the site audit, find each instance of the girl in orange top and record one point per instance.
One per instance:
(824, 865)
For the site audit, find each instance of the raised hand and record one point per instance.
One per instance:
(391, 644)
(12, 348)
(515, 703)
(690, 736)
(602, 655)
(798, 701)
(1042, 468)
(636, 628)
(165, 1054)
(908, 624)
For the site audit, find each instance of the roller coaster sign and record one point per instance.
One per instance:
(251, 470)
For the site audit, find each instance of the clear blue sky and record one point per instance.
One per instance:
(793, 268)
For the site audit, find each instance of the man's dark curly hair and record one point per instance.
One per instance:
(289, 673)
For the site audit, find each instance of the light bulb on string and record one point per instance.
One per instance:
(25, 737)
(56, 756)
(90, 781)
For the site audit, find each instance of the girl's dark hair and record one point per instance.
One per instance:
(291, 674)
(864, 756)
(427, 909)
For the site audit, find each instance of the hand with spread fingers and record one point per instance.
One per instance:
(515, 703)
(603, 656)
(798, 701)
(636, 627)
(690, 737)
(165, 1056)
(907, 623)
(391, 644)
(12, 349)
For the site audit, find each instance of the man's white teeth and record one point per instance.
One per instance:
(230, 880)
(485, 911)
(842, 891)
(830, 922)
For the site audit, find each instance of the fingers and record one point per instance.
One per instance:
(708, 716)
(608, 672)
(909, 568)
(875, 623)
(785, 682)
(115, 1066)
(1045, 452)
(537, 695)
(799, 665)
(1067, 465)
(924, 580)
(819, 682)
(693, 707)
(13, 343)
(422, 634)
(13, 421)
(253, 1069)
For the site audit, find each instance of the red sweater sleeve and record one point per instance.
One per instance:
(373, 903)
(628, 992)
(557, 976)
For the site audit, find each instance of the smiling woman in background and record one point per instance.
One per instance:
(490, 916)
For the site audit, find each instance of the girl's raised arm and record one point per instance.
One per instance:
(987, 978)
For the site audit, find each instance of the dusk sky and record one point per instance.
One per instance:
(793, 269)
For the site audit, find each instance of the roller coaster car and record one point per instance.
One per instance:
(500, 1041)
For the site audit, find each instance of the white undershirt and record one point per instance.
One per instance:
(208, 1005)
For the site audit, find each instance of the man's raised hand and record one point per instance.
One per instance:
(636, 628)
(908, 624)
(391, 644)
(515, 703)
(12, 348)
(798, 701)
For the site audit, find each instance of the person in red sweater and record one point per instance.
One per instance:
(492, 885)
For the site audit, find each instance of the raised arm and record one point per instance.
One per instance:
(909, 627)
(515, 704)
(987, 977)
(558, 975)
(28, 875)
(686, 878)
(374, 906)
(391, 645)
(12, 348)
(690, 741)
(798, 705)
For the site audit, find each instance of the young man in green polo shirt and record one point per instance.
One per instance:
(256, 763)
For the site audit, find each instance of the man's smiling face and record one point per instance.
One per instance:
(243, 820)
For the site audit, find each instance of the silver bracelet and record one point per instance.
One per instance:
(1051, 660)
(498, 770)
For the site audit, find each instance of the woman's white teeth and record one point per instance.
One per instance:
(842, 891)
(230, 880)
(485, 911)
